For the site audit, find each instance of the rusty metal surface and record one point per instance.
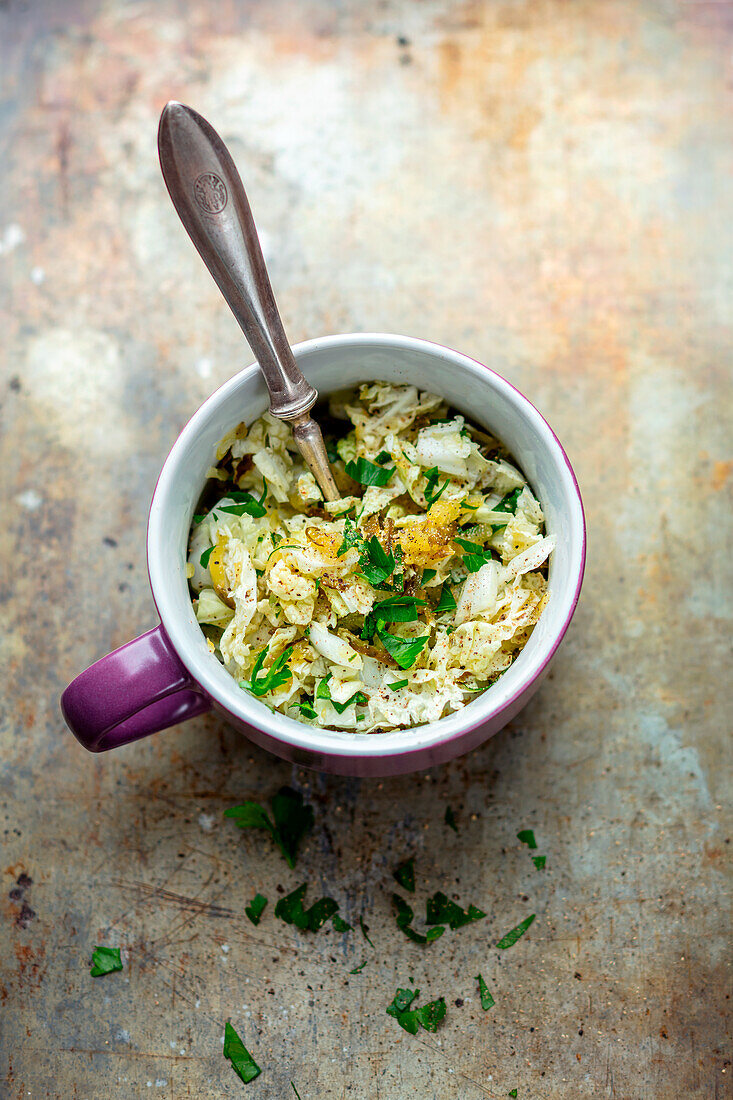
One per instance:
(548, 187)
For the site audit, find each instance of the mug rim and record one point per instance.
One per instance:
(344, 743)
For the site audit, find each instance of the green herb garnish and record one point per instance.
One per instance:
(404, 915)
(292, 820)
(376, 564)
(204, 559)
(382, 457)
(246, 504)
(323, 691)
(295, 1091)
(539, 861)
(428, 1017)
(507, 504)
(427, 576)
(273, 677)
(367, 473)
(402, 650)
(432, 477)
(290, 909)
(446, 602)
(405, 875)
(365, 931)
(398, 684)
(256, 908)
(105, 960)
(306, 708)
(396, 609)
(358, 969)
(527, 837)
(236, 1052)
(487, 1001)
(450, 819)
(515, 934)
(199, 518)
(441, 910)
(512, 1092)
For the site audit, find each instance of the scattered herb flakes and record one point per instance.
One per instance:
(365, 931)
(292, 820)
(402, 650)
(256, 908)
(512, 1092)
(516, 933)
(273, 677)
(441, 910)
(295, 1090)
(539, 861)
(367, 473)
(204, 559)
(398, 684)
(450, 819)
(446, 602)
(428, 1016)
(405, 875)
(487, 1001)
(236, 1052)
(526, 836)
(246, 504)
(404, 916)
(432, 492)
(290, 910)
(358, 969)
(105, 960)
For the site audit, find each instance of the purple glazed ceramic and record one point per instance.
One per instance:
(169, 674)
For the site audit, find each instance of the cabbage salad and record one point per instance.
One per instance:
(391, 607)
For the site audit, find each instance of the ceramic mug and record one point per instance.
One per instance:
(169, 674)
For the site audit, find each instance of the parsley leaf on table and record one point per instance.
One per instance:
(539, 861)
(236, 1052)
(428, 1016)
(404, 915)
(105, 960)
(526, 836)
(365, 931)
(487, 1001)
(358, 969)
(367, 473)
(441, 910)
(256, 908)
(405, 875)
(290, 910)
(292, 820)
(516, 933)
(450, 819)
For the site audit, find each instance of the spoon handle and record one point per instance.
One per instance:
(207, 192)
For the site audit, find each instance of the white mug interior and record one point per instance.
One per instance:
(332, 363)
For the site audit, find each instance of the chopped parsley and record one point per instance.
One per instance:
(428, 1017)
(402, 650)
(105, 960)
(432, 493)
(516, 933)
(441, 910)
(204, 559)
(507, 504)
(527, 837)
(377, 564)
(306, 708)
(487, 1001)
(199, 518)
(382, 457)
(398, 684)
(539, 861)
(236, 1052)
(295, 1090)
(367, 473)
(290, 910)
(405, 875)
(512, 1092)
(450, 819)
(446, 602)
(358, 969)
(365, 931)
(292, 820)
(323, 691)
(404, 915)
(245, 504)
(427, 576)
(256, 908)
(396, 609)
(273, 677)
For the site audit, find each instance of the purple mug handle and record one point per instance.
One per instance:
(132, 692)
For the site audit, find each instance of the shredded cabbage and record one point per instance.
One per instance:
(396, 604)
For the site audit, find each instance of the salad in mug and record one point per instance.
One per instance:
(390, 607)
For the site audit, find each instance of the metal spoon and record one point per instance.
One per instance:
(207, 192)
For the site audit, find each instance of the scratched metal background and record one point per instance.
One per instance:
(547, 186)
